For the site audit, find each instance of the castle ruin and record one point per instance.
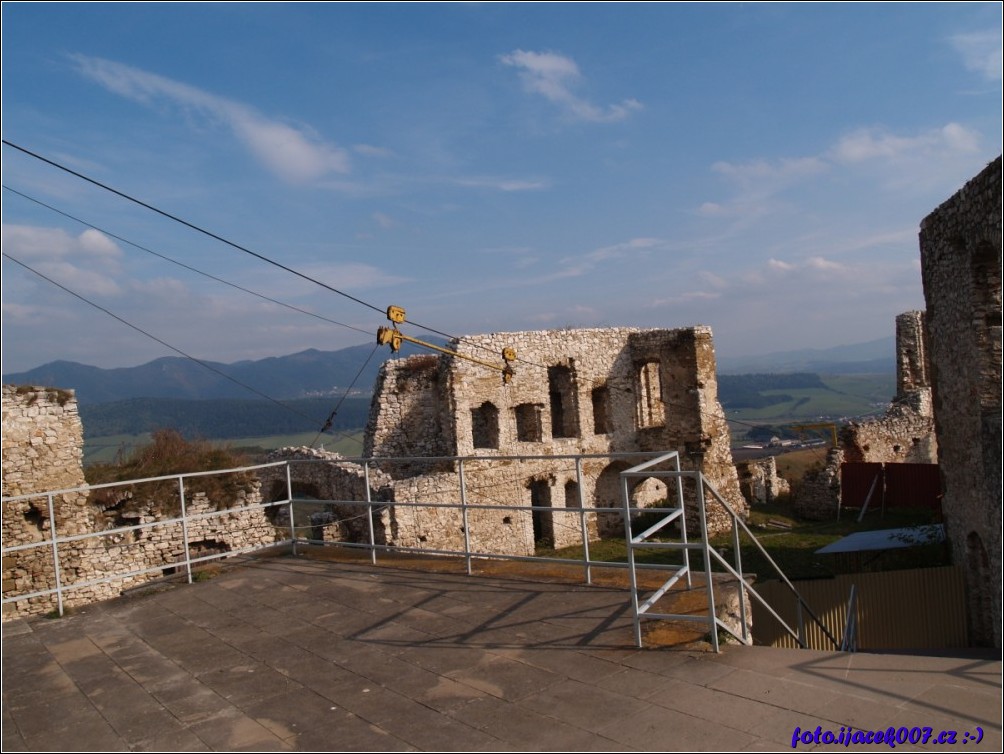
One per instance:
(589, 391)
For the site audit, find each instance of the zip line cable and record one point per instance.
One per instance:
(201, 363)
(182, 264)
(212, 235)
(334, 412)
(193, 226)
(226, 241)
(257, 255)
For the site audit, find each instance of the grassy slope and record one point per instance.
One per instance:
(846, 395)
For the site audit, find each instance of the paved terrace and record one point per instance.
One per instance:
(300, 654)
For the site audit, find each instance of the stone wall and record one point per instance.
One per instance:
(818, 496)
(43, 450)
(759, 481)
(960, 250)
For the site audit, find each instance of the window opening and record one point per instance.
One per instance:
(528, 423)
(485, 425)
(564, 410)
(601, 414)
(651, 410)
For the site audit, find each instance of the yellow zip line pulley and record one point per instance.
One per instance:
(391, 336)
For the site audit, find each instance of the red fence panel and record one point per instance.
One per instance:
(899, 485)
(856, 480)
(913, 485)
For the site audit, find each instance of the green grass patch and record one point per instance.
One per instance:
(794, 549)
(844, 395)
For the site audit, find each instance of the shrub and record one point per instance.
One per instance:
(169, 453)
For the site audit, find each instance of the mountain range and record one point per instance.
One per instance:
(307, 374)
(314, 373)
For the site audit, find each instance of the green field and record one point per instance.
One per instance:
(844, 395)
(107, 449)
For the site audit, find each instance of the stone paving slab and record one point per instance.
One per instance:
(292, 654)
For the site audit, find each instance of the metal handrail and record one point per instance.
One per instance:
(850, 642)
(54, 539)
(709, 553)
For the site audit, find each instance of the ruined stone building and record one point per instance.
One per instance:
(906, 433)
(960, 252)
(760, 482)
(592, 391)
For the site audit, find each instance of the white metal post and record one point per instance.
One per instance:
(292, 519)
(706, 549)
(369, 512)
(463, 516)
(55, 555)
(583, 524)
(184, 528)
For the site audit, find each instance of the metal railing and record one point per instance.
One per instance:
(850, 642)
(709, 555)
(53, 540)
(372, 538)
(136, 570)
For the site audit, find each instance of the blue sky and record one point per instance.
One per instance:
(762, 169)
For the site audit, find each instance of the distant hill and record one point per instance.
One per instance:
(314, 373)
(871, 357)
(306, 374)
(220, 419)
(750, 390)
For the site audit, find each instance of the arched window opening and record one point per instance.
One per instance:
(543, 520)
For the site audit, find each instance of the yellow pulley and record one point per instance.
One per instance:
(391, 336)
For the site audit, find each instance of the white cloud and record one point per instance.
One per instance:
(97, 243)
(371, 151)
(868, 144)
(554, 76)
(899, 162)
(981, 52)
(621, 249)
(715, 281)
(504, 184)
(29, 242)
(579, 265)
(815, 269)
(687, 297)
(384, 220)
(774, 173)
(296, 155)
(824, 265)
(713, 209)
(163, 288)
(87, 264)
(353, 275)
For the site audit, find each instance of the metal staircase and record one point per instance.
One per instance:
(667, 468)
